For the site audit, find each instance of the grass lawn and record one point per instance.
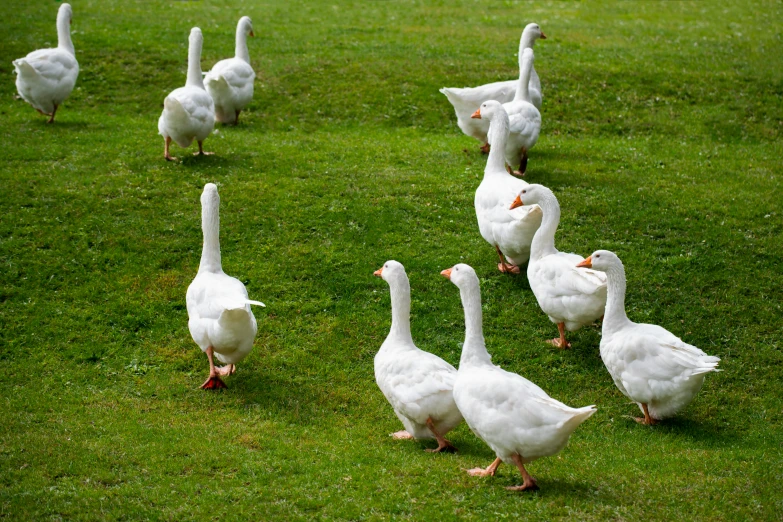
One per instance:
(662, 139)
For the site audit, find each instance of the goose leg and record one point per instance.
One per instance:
(522, 164)
(236, 121)
(228, 369)
(647, 420)
(166, 154)
(443, 444)
(560, 342)
(529, 482)
(490, 471)
(506, 268)
(484, 148)
(201, 150)
(51, 118)
(401, 435)
(214, 382)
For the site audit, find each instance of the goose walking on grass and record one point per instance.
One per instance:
(516, 418)
(466, 100)
(230, 82)
(220, 319)
(509, 231)
(416, 383)
(524, 120)
(571, 297)
(45, 78)
(188, 112)
(650, 365)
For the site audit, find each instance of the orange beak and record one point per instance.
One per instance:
(543, 36)
(446, 273)
(253, 34)
(517, 203)
(476, 114)
(587, 263)
(378, 272)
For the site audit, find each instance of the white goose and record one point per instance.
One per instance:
(230, 82)
(650, 365)
(465, 101)
(220, 319)
(572, 298)
(416, 383)
(509, 231)
(188, 112)
(516, 418)
(524, 119)
(45, 78)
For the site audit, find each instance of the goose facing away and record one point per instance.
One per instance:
(219, 316)
(513, 416)
(417, 384)
(524, 119)
(45, 78)
(230, 82)
(649, 365)
(188, 112)
(571, 297)
(466, 100)
(509, 231)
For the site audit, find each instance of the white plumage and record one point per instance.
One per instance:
(516, 418)
(524, 119)
(466, 100)
(45, 78)
(417, 384)
(509, 231)
(650, 365)
(220, 319)
(570, 296)
(188, 112)
(230, 82)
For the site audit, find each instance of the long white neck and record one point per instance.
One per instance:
(497, 137)
(210, 225)
(400, 290)
(527, 40)
(474, 351)
(543, 243)
(614, 316)
(194, 62)
(241, 51)
(64, 30)
(525, 66)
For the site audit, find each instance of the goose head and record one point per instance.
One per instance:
(65, 13)
(391, 272)
(601, 260)
(210, 197)
(488, 110)
(246, 25)
(531, 194)
(462, 275)
(533, 32)
(195, 37)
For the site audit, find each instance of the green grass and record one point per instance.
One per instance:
(662, 139)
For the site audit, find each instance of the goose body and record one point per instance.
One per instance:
(524, 118)
(649, 365)
(510, 231)
(513, 416)
(45, 78)
(188, 112)
(219, 316)
(466, 100)
(571, 297)
(417, 384)
(230, 82)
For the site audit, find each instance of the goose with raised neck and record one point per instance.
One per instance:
(524, 119)
(188, 112)
(570, 297)
(46, 77)
(417, 384)
(466, 100)
(513, 416)
(508, 231)
(219, 316)
(650, 365)
(230, 81)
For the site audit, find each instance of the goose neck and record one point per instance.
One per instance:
(210, 226)
(64, 31)
(474, 350)
(527, 40)
(615, 316)
(194, 62)
(525, 66)
(497, 137)
(240, 51)
(543, 243)
(400, 291)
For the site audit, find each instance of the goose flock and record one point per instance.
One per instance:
(517, 419)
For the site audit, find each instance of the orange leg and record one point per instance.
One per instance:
(529, 483)
(648, 420)
(506, 268)
(522, 164)
(214, 382)
(484, 148)
(201, 150)
(560, 342)
(443, 444)
(166, 153)
(401, 435)
(51, 118)
(490, 471)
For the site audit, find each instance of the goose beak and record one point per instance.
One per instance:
(252, 33)
(378, 272)
(476, 114)
(587, 263)
(543, 36)
(446, 273)
(517, 203)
